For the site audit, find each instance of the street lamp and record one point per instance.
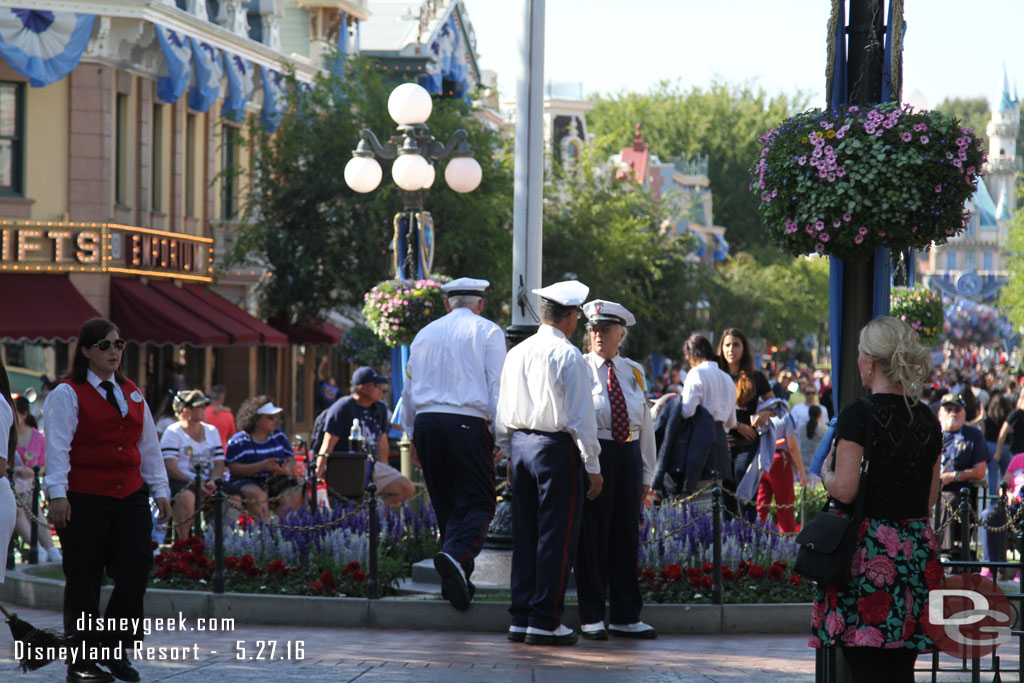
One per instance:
(415, 152)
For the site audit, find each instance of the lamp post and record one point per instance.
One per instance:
(415, 152)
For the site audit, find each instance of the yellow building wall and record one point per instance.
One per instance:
(46, 149)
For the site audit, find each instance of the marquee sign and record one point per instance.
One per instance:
(56, 246)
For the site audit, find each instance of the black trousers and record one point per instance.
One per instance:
(456, 454)
(109, 535)
(610, 539)
(878, 665)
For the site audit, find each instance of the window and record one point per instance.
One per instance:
(190, 165)
(212, 10)
(252, 13)
(157, 163)
(969, 261)
(121, 151)
(986, 261)
(11, 138)
(229, 159)
(950, 260)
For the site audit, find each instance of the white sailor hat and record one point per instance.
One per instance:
(601, 312)
(565, 293)
(465, 286)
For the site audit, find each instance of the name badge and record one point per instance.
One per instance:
(136, 396)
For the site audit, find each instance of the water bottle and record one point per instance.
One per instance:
(355, 437)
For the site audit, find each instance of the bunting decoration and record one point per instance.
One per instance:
(209, 70)
(178, 56)
(273, 99)
(240, 86)
(41, 45)
(450, 61)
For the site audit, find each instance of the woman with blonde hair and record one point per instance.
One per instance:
(875, 616)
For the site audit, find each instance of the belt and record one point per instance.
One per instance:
(634, 434)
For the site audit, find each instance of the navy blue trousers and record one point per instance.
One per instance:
(548, 482)
(610, 539)
(456, 455)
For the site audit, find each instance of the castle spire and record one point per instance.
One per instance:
(1006, 102)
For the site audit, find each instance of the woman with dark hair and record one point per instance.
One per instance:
(752, 387)
(8, 442)
(260, 459)
(102, 465)
(707, 385)
(996, 412)
(31, 451)
(812, 433)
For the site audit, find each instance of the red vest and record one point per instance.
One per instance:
(104, 453)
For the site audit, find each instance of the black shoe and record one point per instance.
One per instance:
(599, 634)
(88, 672)
(453, 582)
(122, 669)
(545, 639)
(517, 636)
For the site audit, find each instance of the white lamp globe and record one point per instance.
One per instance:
(463, 174)
(410, 103)
(363, 174)
(410, 172)
(431, 175)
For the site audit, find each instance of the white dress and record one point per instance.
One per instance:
(8, 508)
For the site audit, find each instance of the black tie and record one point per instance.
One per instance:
(111, 399)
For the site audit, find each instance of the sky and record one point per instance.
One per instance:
(951, 49)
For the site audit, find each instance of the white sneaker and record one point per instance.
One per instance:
(637, 629)
(54, 555)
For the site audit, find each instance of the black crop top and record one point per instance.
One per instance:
(905, 446)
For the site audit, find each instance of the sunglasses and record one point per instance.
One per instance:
(104, 344)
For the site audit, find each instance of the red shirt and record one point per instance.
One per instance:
(224, 420)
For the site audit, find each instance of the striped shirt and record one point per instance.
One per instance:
(244, 451)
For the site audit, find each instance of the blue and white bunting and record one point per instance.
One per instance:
(209, 70)
(240, 86)
(178, 56)
(41, 45)
(273, 98)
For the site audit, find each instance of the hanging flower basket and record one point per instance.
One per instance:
(921, 309)
(846, 181)
(397, 309)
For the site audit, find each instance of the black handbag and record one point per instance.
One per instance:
(827, 543)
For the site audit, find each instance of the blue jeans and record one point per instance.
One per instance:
(996, 470)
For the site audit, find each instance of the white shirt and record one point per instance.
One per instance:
(635, 394)
(8, 506)
(799, 413)
(61, 411)
(454, 367)
(545, 386)
(709, 386)
(175, 444)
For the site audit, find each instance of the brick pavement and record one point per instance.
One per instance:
(445, 657)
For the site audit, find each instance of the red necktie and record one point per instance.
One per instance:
(620, 415)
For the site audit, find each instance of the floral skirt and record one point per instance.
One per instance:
(895, 565)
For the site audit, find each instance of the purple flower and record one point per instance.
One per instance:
(824, 237)
(858, 239)
(906, 137)
(938, 188)
(862, 230)
(802, 160)
(847, 217)
(924, 139)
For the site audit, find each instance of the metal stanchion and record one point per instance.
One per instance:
(197, 490)
(218, 537)
(965, 527)
(33, 544)
(716, 548)
(372, 581)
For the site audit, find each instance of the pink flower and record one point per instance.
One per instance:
(906, 137)
(880, 571)
(881, 233)
(938, 188)
(868, 637)
(817, 614)
(862, 230)
(859, 557)
(814, 641)
(924, 139)
(802, 160)
(824, 237)
(819, 225)
(858, 239)
(847, 217)
(890, 538)
(833, 624)
(920, 126)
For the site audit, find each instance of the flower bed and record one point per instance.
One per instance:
(305, 554)
(397, 309)
(676, 546)
(921, 309)
(846, 181)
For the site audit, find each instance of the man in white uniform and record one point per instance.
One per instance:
(448, 403)
(546, 423)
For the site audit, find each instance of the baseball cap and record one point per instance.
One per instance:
(367, 375)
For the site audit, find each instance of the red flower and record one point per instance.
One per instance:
(707, 568)
(742, 568)
(359, 576)
(252, 572)
(693, 572)
(179, 545)
(727, 574)
(231, 562)
(159, 559)
(248, 561)
(933, 574)
(780, 564)
(202, 562)
(795, 580)
(705, 582)
(648, 574)
(695, 581)
(874, 608)
(775, 573)
(198, 547)
(352, 567)
(673, 572)
(191, 573)
(756, 571)
(316, 586)
(327, 580)
(164, 572)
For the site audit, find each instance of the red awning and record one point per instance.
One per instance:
(268, 335)
(41, 307)
(324, 333)
(145, 315)
(239, 333)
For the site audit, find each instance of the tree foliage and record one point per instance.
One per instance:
(722, 121)
(1011, 296)
(324, 245)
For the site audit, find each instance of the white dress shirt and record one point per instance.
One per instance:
(709, 386)
(8, 506)
(545, 386)
(635, 394)
(61, 411)
(801, 415)
(454, 367)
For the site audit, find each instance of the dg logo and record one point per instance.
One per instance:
(968, 616)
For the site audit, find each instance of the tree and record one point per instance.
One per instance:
(722, 121)
(973, 113)
(1011, 296)
(325, 245)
